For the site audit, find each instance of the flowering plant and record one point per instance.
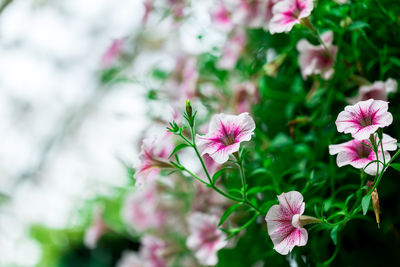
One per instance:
(263, 156)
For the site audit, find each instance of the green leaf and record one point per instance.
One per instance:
(334, 233)
(177, 148)
(365, 203)
(259, 189)
(358, 25)
(218, 174)
(228, 212)
(395, 166)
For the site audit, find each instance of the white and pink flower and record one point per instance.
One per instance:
(153, 157)
(244, 96)
(142, 210)
(96, 229)
(153, 251)
(225, 133)
(182, 84)
(221, 16)
(231, 50)
(315, 59)
(288, 13)
(285, 222)
(205, 238)
(379, 90)
(358, 155)
(112, 53)
(364, 118)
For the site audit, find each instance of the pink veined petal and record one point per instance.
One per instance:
(222, 155)
(344, 158)
(327, 37)
(292, 202)
(365, 132)
(277, 221)
(297, 237)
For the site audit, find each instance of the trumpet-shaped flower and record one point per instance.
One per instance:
(284, 225)
(152, 251)
(364, 118)
(288, 13)
(154, 157)
(315, 59)
(221, 16)
(225, 133)
(379, 90)
(244, 96)
(358, 155)
(231, 50)
(205, 238)
(142, 209)
(96, 229)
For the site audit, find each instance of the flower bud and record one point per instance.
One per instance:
(375, 201)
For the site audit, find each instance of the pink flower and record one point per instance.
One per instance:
(288, 13)
(96, 229)
(315, 59)
(152, 251)
(182, 85)
(364, 118)
(231, 50)
(379, 90)
(221, 16)
(356, 154)
(251, 13)
(154, 157)
(148, 8)
(284, 225)
(244, 96)
(205, 238)
(112, 52)
(142, 209)
(225, 134)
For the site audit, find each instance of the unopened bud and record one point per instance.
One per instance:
(375, 201)
(189, 110)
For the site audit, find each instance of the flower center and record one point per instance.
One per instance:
(363, 151)
(365, 121)
(228, 139)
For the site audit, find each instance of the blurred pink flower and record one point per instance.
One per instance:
(251, 13)
(112, 53)
(148, 8)
(205, 238)
(96, 229)
(152, 251)
(225, 133)
(182, 84)
(284, 225)
(221, 16)
(244, 96)
(231, 50)
(153, 157)
(356, 154)
(142, 209)
(315, 59)
(364, 118)
(379, 90)
(288, 13)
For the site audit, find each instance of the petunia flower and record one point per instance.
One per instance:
(364, 118)
(379, 90)
(288, 13)
(153, 157)
(244, 96)
(285, 222)
(142, 209)
(96, 229)
(225, 133)
(231, 50)
(315, 59)
(358, 155)
(205, 238)
(152, 251)
(221, 16)
(112, 52)
(251, 13)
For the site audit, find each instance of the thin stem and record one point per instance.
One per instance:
(242, 176)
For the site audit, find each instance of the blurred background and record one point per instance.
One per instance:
(65, 133)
